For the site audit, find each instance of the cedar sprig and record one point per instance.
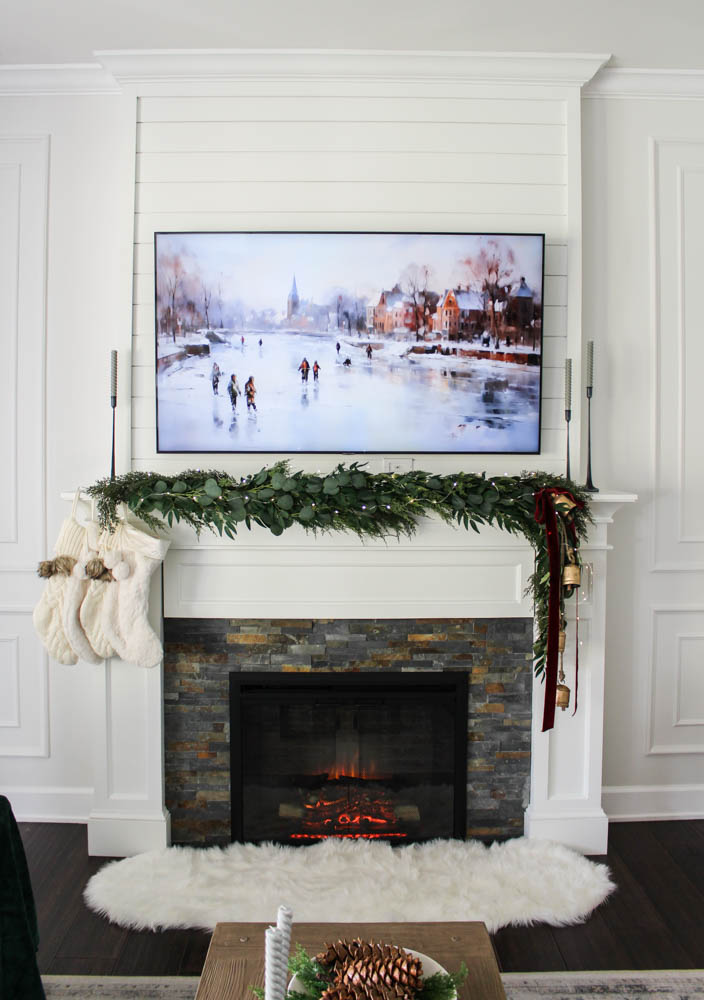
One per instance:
(349, 498)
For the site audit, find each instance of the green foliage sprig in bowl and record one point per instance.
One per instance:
(315, 980)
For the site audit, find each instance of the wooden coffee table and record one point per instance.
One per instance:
(235, 959)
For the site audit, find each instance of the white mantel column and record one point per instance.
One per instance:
(128, 814)
(566, 763)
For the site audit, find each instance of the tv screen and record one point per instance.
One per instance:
(348, 342)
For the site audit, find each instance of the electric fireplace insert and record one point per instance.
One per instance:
(350, 755)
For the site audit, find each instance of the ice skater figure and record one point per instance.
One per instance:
(260, 341)
(316, 371)
(250, 392)
(347, 363)
(215, 378)
(369, 351)
(304, 368)
(233, 389)
(337, 345)
(242, 341)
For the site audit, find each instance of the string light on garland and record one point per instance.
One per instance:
(374, 505)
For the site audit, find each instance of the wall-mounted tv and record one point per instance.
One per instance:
(348, 342)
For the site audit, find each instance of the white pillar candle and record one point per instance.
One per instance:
(284, 923)
(568, 383)
(273, 975)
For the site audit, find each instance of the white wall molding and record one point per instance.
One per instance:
(139, 67)
(652, 802)
(49, 804)
(64, 78)
(647, 84)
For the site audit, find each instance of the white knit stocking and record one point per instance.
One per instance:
(91, 611)
(135, 556)
(48, 614)
(74, 594)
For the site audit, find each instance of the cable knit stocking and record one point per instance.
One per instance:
(133, 556)
(74, 594)
(48, 614)
(91, 611)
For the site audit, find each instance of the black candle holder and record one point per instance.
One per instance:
(568, 417)
(589, 485)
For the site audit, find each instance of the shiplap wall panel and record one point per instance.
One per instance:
(422, 167)
(363, 157)
(350, 108)
(395, 137)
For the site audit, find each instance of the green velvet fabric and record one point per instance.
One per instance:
(19, 938)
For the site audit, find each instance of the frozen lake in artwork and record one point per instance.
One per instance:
(395, 401)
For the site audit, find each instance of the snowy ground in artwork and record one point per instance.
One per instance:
(393, 402)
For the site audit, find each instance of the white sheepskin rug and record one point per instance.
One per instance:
(520, 881)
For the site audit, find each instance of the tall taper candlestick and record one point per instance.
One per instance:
(589, 485)
(568, 407)
(113, 404)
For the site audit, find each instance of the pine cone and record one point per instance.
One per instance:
(364, 970)
(393, 970)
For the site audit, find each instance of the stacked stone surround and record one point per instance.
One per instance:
(201, 653)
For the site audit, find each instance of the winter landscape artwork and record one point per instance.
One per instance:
(348, 342)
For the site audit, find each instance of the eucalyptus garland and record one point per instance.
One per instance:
(372, 505)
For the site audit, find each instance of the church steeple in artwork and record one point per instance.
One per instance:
(293, 301)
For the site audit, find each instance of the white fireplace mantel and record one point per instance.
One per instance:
(440, 572)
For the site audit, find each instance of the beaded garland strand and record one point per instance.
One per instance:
(372, 505)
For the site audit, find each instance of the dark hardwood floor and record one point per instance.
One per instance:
(655, 919)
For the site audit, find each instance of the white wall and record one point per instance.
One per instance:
(655, 591)
(638, 32)
(73, 230)
(643, 266)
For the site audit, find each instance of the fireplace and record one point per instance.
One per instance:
(492, 655)
(352, 755)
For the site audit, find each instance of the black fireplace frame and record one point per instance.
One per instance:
(455, 682)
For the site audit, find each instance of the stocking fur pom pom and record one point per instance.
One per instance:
(121, 571)
(112, 558)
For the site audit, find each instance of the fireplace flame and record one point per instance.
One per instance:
(351, 810)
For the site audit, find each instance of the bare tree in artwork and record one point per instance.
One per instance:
(414, 283)
(171, 272)
(493, 269)
(207, 298)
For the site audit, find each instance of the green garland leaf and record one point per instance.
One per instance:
(372, 505)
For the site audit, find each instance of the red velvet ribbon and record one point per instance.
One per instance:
(545, 514)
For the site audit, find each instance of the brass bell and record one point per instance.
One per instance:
(571, 575)
(563, 696)
(561, 639)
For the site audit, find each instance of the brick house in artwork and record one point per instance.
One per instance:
(393, 310)
(460, 313)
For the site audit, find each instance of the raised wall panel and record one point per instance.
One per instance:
(24, 725)
(678, 210)
(677, 681)
(23, 664)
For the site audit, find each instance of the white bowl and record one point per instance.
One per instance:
(430, 967)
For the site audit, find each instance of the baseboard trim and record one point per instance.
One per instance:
(112, 835)
(585, 832)
(49, 805)
(653, 802)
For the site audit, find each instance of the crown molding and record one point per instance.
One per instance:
(63, 78)
(647, 84)
(142, 67)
